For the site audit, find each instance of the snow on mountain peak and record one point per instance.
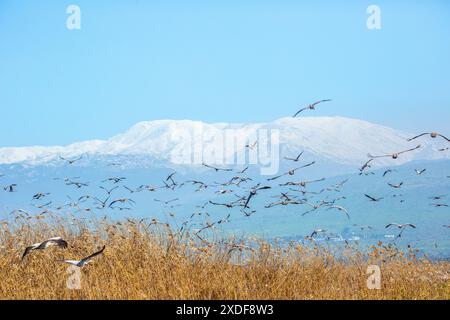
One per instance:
(338, 139)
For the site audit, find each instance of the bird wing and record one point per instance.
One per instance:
(299, 111)
(245, 169)
(113, 202)
(340, 208)
(319, 180)
(391, 185)
(274, 178)
(306, 165)
(88, 258)
(392, 224)
(410, 149)
(248, 199)
(440, 135)
(72, 262)
(418, 136)
(208, 166)
(365, 165)
(371, 198)
(320, 101)
(27, 251)
(375, 157)
(59, 242)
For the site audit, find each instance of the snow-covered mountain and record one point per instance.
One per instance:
(337, 140)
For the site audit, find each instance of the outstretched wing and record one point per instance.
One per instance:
(274, 178)
(320, 101)
(371, 198)
(58, 241)
(418, 136)
(27, 251)
(375, 157)
(299, 111)
(440, 135)
(410, 149)
(88, 258)
(306, 165)
(72, 262)
(248, 199)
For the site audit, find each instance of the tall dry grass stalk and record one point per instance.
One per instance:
(150, 261)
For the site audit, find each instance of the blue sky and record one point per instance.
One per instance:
(235, 61)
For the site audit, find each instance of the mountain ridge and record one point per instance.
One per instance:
(337, 139)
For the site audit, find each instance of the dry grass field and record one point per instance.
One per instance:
(148, 260)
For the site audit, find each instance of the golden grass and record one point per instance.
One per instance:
(151, 261)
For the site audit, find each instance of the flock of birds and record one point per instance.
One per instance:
(239, 186)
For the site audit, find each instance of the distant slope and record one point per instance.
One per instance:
(332, 140)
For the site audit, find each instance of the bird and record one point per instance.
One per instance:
(365, 166)
(253, 192)
(395, 186)
(77, 184)
(108, 191)
(252, 145)
(236, 180)
(363, 227)
(56, 241)
(148, 188)
(291, 172)
(10, 188)
(400, 226)
(437, 197)
(115, 179)
(103, 203)
(387, 171)
(296, 159)
(372, 198)
(393, 155)
(121, 200)
(71, 161)
(201, 185)
(228, 205)
(166, 202)
(432, 135)
(313, 206)
(310, 107)
(22, 211)
(170, 177)
(243, 170)
(131, 190)
(316, 232)
(40, 195)
(282, 203)
(438, 205)
(81, 263)
(43, 205)
(300, 183)
(419, 172)
(340, 208)
(216, 169)
(224, 191)
(285, 196)
(249, 213)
